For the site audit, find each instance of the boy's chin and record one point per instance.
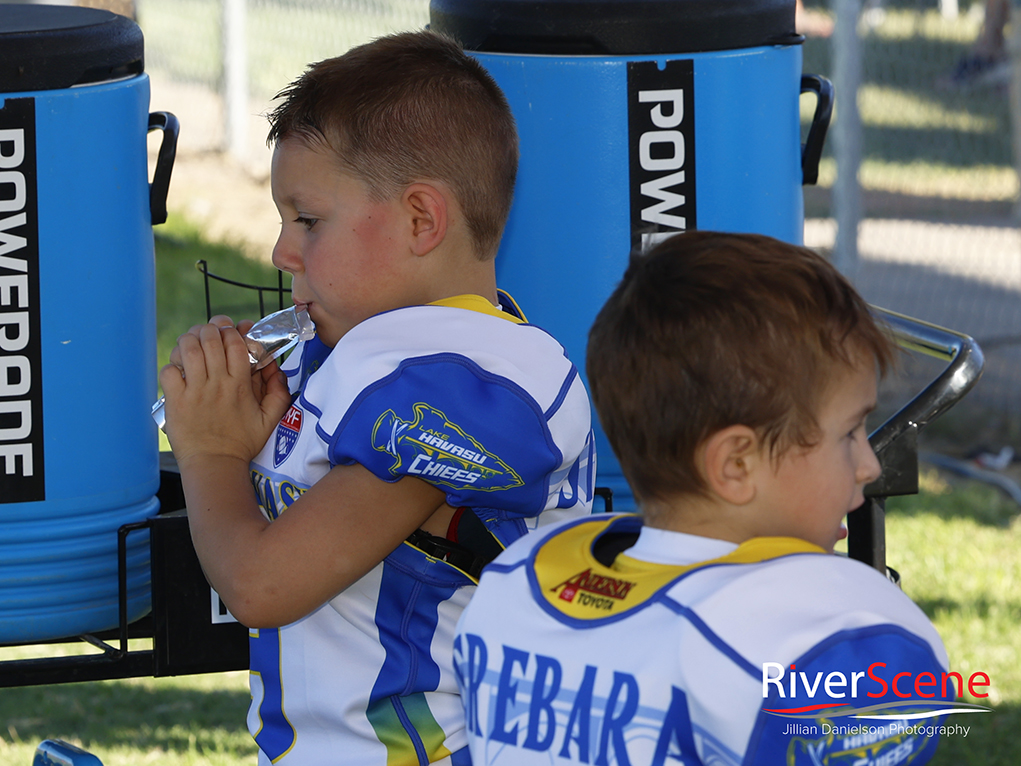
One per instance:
(841, 534)
(830, 545)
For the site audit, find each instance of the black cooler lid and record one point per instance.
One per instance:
(614, 27)
(51, 47)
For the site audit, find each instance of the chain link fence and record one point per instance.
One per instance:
(937, 236)
(184, 38)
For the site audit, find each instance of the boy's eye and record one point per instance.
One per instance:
(308, 223)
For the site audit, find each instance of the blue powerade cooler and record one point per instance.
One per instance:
(638, 119)
(78, 450)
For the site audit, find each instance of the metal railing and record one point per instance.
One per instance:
(896, 441)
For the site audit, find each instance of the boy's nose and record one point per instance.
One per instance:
(869, 469)
(285, 257)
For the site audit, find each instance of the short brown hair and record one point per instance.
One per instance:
(711, 330)
(411, 107)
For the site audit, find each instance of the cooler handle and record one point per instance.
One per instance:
(160, 186)
(811, 150)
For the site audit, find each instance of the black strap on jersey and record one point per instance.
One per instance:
(474, 548)
(455, 554)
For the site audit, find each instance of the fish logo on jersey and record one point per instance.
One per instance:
(429, 446)
(287, 435)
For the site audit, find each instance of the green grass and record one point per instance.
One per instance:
(188, 721)
(180, 298)
(956, 548)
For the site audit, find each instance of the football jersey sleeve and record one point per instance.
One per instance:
(868, 695)
(479, 437)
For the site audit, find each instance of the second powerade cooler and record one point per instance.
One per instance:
(638, 119)
(78, 449)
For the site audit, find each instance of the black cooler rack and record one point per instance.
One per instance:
(190, 631)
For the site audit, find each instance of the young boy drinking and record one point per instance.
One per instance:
(733, 375)
(425, 427)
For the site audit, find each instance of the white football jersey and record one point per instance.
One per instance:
(462, 395)
(575, 651)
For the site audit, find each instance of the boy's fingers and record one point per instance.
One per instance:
(192, 357)
(220, 345)
(213, 346)
(238, 363)
(211, 338)
(261, 378)
(221, 320)
(175, 352)
(171, 378)
(277, 398)
(270, 370)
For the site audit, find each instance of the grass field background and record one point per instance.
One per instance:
(956, 547)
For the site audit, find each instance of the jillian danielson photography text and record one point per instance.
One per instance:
(875, 731)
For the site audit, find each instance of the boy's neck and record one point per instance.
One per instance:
(696, 515)
(486, 288)
(459, 272)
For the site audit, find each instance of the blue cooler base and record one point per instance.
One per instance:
(63, 586)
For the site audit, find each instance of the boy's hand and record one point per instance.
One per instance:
(220, 320)
(215, 405)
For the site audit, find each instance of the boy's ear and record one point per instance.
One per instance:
(729, 459)
(427, 214)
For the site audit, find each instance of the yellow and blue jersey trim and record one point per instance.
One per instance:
(508, 308)
(570, 582)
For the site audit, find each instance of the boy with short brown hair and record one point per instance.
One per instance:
(733, 375)
(408, 107)
(424, 428)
